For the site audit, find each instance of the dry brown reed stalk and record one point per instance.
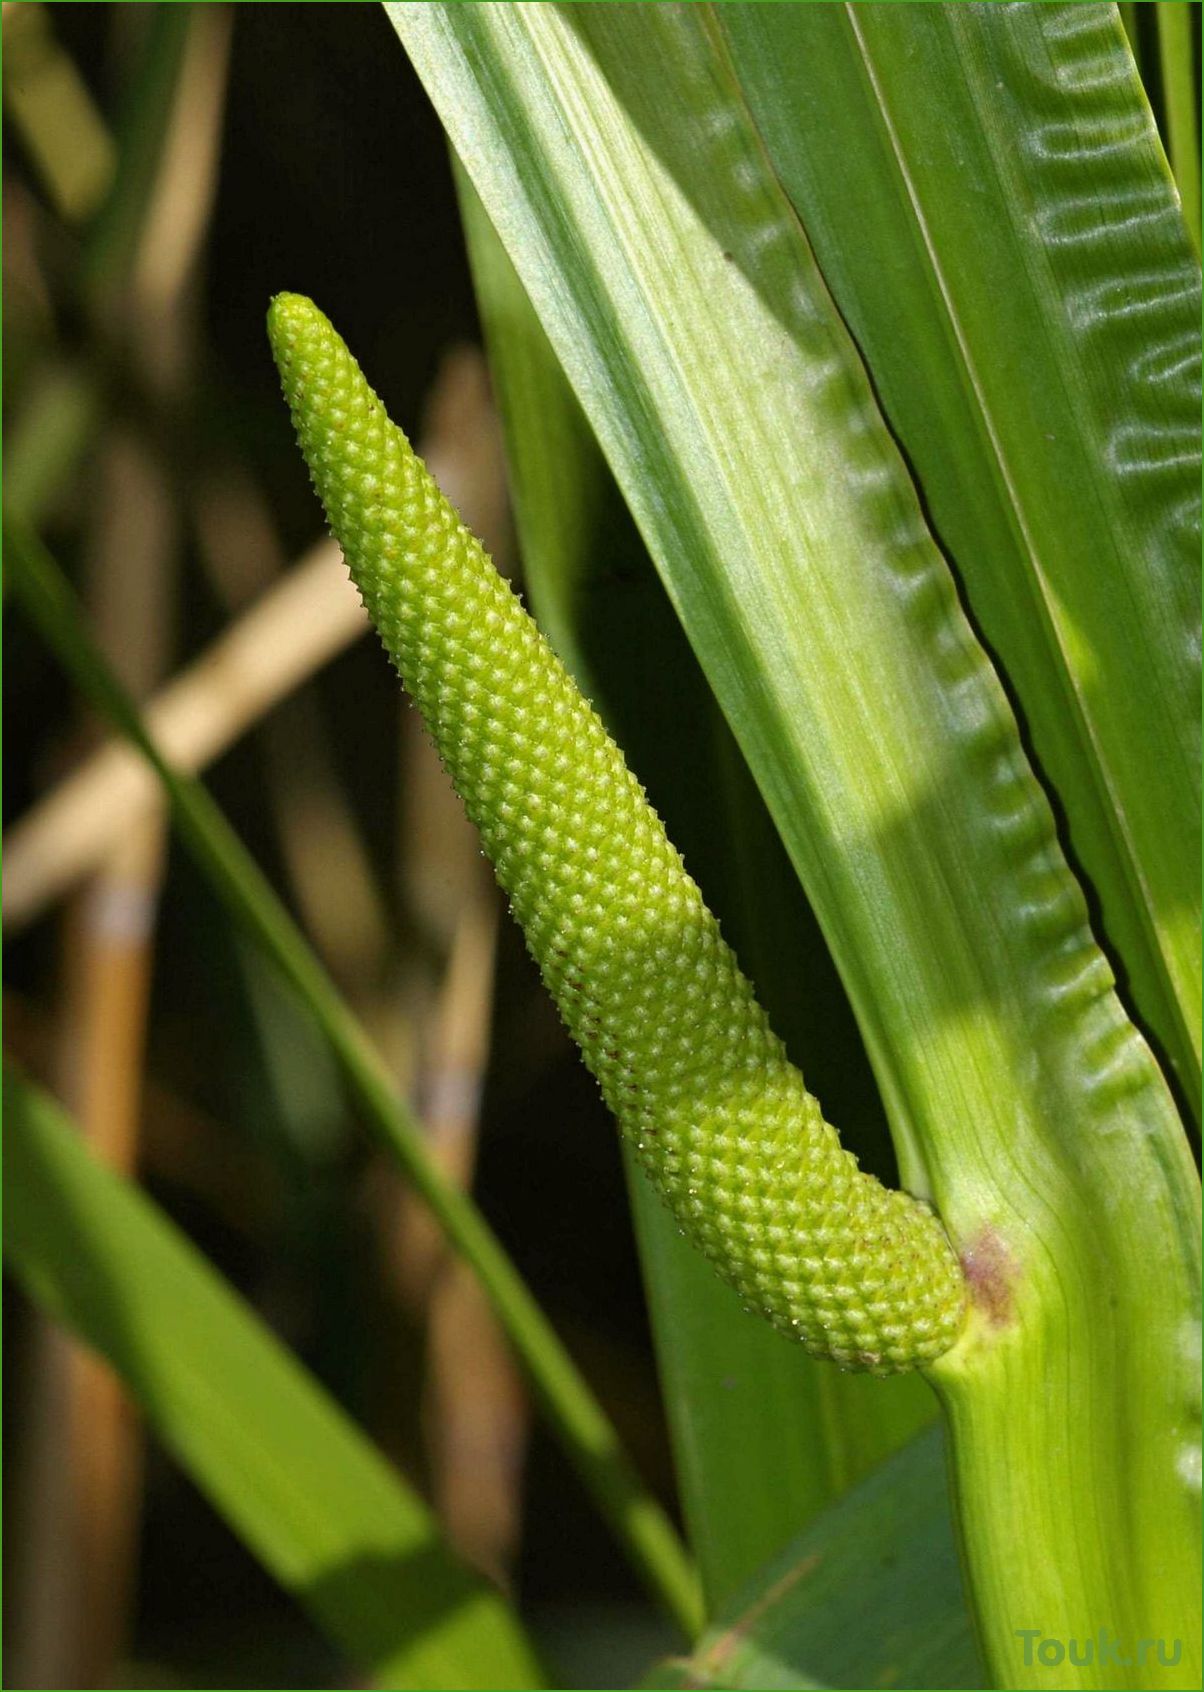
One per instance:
(108, 956)
(329, 869)
(108, 929)
(292, 631)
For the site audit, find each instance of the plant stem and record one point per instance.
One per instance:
(590, 1440)
(1175, 56)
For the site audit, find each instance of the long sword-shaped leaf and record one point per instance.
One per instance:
(573, 1412)
(731, 1386)
(295, 1479)
(990, 205)
(615, 156)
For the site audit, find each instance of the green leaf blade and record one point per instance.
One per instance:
(990, 205)
(309, 1495)
(614, 154)
(887, 1551)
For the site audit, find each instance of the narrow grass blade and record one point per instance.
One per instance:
(1176, 57)
(294, 1478)
(575, 1415)
(731, 1386)
(615, 155)
(989, 203)
(870, 1595)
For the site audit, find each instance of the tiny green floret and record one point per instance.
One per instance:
(684, 1054)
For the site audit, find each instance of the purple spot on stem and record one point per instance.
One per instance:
(990, 1275)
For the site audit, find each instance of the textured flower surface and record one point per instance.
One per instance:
(684, 1054)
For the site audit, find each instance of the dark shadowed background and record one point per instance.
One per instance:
(332, 178)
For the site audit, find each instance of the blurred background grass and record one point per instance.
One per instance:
(166, 170)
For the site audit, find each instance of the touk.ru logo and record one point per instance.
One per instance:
(1102, 1648)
